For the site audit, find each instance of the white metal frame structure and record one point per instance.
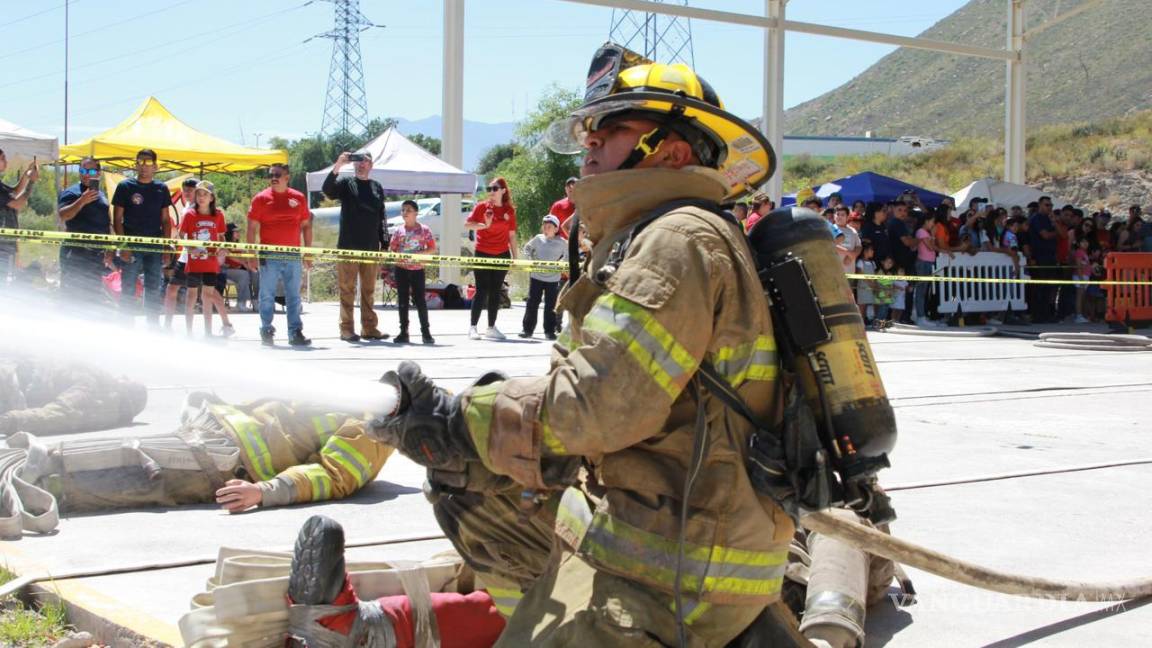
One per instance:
(775, 25)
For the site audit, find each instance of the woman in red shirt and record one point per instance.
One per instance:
(204, 222)
(494, 221)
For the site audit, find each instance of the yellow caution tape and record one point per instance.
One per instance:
(152, 244)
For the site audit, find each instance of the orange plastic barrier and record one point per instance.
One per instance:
(1129, 303)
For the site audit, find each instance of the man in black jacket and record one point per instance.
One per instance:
(363, 226)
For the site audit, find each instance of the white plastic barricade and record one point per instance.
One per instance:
(981, 296)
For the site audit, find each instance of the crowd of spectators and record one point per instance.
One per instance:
(903, 238)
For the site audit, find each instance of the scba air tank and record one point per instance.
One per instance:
(825, 333)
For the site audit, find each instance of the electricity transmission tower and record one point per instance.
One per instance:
(346, 104)
(661, 38)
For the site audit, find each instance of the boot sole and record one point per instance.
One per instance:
(317, 562)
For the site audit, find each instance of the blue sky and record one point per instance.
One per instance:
(235, 68)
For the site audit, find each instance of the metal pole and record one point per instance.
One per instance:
(772, 123)
(452, 146)
(66, 71)
(1014, 99)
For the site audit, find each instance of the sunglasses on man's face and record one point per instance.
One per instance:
(145, 163)
(89, 172)
(274, 175)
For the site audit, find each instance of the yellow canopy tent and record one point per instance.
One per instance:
(178, 145)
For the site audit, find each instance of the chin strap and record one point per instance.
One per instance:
(647, 145)
(574, 248)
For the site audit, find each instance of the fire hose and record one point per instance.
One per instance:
(907, 553)
(1095, 342)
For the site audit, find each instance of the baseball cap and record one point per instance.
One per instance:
(552, 219)
(571, 180)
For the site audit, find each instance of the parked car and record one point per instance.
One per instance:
(430, 216)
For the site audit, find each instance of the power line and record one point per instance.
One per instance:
(96, 30)
(38, 13)
(183, 54)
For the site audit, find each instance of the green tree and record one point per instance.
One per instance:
(496, 156)
(535, 174)
(426, 142)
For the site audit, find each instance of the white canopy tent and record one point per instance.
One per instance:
(20, 145)
(403, 167)
(1002, 194)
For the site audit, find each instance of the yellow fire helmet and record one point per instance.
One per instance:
(623, 84)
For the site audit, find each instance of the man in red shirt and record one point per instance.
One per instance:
(564, 208)
(279, 216)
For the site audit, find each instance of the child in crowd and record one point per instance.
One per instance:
(545, 246)
(412, 237)
(865, 288)
(885, 289)
(1083, 274)
(204, 222)
(899, 290)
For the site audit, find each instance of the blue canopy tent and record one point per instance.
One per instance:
(869, 187)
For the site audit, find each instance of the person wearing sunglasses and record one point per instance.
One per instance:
(494, 221)
(13, 199)
(279, 216)
(140, 208)
(84, 210)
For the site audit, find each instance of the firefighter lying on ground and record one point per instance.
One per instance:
(46, 397)
(828, 584)
(266, 453)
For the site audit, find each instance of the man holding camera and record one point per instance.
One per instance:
(84, 210)
(363, 226)
(13, 199)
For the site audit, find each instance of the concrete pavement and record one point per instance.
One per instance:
(966, 407)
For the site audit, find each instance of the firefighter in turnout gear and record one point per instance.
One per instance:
(266, 453)
(48, 397)
(607, 503)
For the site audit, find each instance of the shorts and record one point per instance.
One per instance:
(179, 278)
(1082, 280)
(198, 279)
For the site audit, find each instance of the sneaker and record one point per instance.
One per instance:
(298, 340)
(494, 333)
(228, 330)
(924, 322)
(473, 334)
(349, 337)
(1080, 319)
(427, 338)
(524, 334)
(401, 339)
(993, 321)
(550, 336)
(267, 338)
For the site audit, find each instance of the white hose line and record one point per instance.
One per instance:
(1016, 475)
(906, 553)
(904, 329)
(1090, 347)
(1135, 340)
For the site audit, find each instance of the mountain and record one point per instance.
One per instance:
(478, 136)
(1091, 67)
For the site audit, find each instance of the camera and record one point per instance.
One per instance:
(357, 157)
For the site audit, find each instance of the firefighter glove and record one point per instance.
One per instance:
(428, 426)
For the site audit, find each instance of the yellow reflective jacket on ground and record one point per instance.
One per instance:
(300, 453)
(619, 395)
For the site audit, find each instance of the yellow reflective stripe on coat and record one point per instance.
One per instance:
(548, 438)
(320, 481)
(651, 558)
(505, 599)
(355, 463)
(325, 426)
(645, 339)
(478, 416)
(756, 360)
(249, 432)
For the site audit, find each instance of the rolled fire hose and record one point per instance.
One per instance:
(954, 569)
(1094, 342)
